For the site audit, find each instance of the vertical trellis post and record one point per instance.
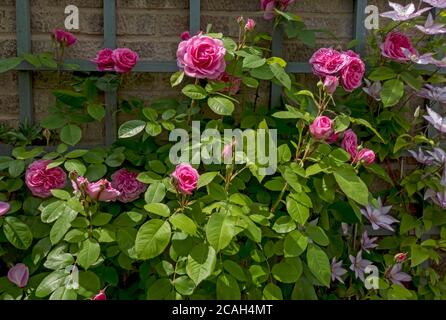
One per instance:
(277, 50)
(23, 29)
(194, 16)
(111, 97)
(360, 31)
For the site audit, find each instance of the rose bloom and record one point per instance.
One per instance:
(101, 190)
(63, 37)
(366, 155)
(333, 138)
(4, 208)
(392, 47)
(250, 24)
(124, 59)
(350, 143)
(202, 57)
(328, 62)
(125, 182)
(19, 275)
(268, 6)
(232, 83)
(104, 60)
(185, 178)
(41, 180)
(321, 128)
(330, 84)
(352, 74)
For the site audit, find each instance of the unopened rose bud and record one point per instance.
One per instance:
(100, 296)
(250, 24)
(330, 84)
(185, 35)
(240, 20)
(19, 275)
(400, 257)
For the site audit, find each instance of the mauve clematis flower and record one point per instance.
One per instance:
(436, 3)
(422, 157)
(126, 183)
(433, 93)
(373, 89)
(396, 276)
(432, 28)
(403, 13)
(378, 216)
(337, 271)
(19, 275)
(437, 121)
(368, 243)
(427, 58)
(439, 155)
(439, 198)
(4, 208)
(359, 265)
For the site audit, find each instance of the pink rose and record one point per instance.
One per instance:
(100, 296)
(102, 190)
(202, 57)
(268, 6)
(232, 83)
(125, 182)
(124, 59)
(366, 155)
(19, 275)
(63, 37)
(333, 138)
(321, 128)
(4, 208)
(250, 24)
(328, 62)
(392, 47)
(104, 60)
(41, 180)
(350, 143)
(185, 178)
(330, 84)
(285, 3)
(185, 35)
(353, 74)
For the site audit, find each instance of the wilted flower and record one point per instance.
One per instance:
(19, 275)
(396, 276)
(403, 13)
(359, 265)
(436, 120)
(373, 90)
(337, 271)
(4, 208)
(437, 3)
(368, 243)
(433, 93)
(432, 28)
(378, 216)
(421, 157)
(400, 257)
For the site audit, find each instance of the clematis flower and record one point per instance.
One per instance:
(432, 28)
(368, 243)
(358, 265)
(422, 157)
(427, 58)
(437, 121)
(440, 63)
(438, 155)
(403, 13)
(439, 198)
(378, 216)
(396, 276)
(433, 93)
(373, 89)
(436, 3)
(337, 271)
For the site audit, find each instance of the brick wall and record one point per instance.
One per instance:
(150, 27)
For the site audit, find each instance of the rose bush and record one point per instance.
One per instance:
(134, 225)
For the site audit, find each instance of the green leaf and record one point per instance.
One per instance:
(295, 244)
(297, 211)
(251, 61)
(96, 111)
(250, 82)
(155, 193)
(159, 290)
(234, 269)
(75, 165)
(58, 261)
(152, 239)
(17, 233)
(352, 186)
(62, 225)
(9, 63)
(89, 253)
(50, 283)
(158, 208)
(200, 263)
(184, 285)
(16, 167)
(272, 292)
(53, 121)
(70, 98)
(153, 129)
(206, 178)
(318, 235)
(63, 293)
(220, 230)
(288, 271)
(414, 81)
(391, 93)
(71, 134)
(131, 128)
(195, 92)
(96, 171)
(319, 264)
(221, 106)
(53, 211)
(227, 288)
(176, 78)
(382, 73)
(418, 255)
(281, 75)
(184, 223)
